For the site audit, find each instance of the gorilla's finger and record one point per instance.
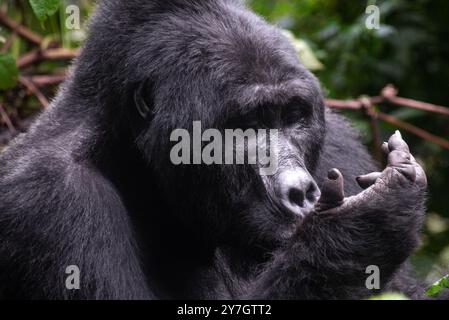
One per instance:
(397, 143)
(332, 192)
(397, 158)
(385, 148)
(368, 180)
(420, 174)
(402, 162)
(408, 171)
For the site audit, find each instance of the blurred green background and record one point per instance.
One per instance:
(410, 50)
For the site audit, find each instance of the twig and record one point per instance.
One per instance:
(48, 80)
(390, 95)
(37, 55)
(351, 104)
(21, 30)
(7, 120)
(415, 130)
(370, 112)
(7, 45)
(33, 89)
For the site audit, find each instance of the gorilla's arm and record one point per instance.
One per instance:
(55, 212)
(328, 256)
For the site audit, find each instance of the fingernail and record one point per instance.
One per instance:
(398, 133)
(333, 174)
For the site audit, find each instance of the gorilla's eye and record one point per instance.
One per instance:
(295, 113)
(250, 120)
(262, 117)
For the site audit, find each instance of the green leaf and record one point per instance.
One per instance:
(438, 287)
(305, 53)
(389, 296)
(44, 8)
(8, 71)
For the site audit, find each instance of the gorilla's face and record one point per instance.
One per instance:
(228, 69)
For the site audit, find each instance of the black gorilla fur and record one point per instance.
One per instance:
(91, 183)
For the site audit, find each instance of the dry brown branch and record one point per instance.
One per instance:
(351, 104)
(48, 80)
(29, 85)
(7, 45)
(415, 130)
(370, 112)
(7, 120)
(38, 55)
(389, 95)
(21, 30)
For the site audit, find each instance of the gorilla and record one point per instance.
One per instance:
(91, 183)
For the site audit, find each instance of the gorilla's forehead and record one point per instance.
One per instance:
(200, 55)
(225, 43)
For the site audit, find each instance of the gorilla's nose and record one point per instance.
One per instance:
(298, 191)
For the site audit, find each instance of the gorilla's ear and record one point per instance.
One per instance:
(143, 99)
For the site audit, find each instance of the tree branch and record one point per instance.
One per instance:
(389, 95)
(7, 120)
(21, 30)
(38, 55)
(34, 90)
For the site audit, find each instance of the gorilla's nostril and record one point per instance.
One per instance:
(311, 193)
(296, 196)
(297, 191)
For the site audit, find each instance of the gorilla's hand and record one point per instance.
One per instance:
(379, 226)
(333, 246)
(402, 178)
(382, 223)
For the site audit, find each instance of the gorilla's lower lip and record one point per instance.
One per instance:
(297, 210)
(304, 214)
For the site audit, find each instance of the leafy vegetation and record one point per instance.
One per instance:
(389, 296)
(45, 8)
(436, 288)
(8, 71)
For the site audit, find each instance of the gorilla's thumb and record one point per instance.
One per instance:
(332, 191)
